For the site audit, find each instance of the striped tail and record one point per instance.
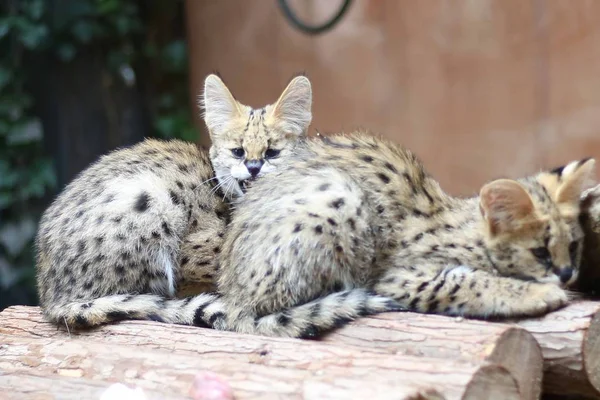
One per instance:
(202, 310)
(315, 318)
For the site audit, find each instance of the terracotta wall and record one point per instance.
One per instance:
(478, 88)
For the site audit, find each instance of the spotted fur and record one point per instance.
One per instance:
(146, 222)
(358, 217)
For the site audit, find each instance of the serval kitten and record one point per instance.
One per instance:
(355, 225)
(142, 221)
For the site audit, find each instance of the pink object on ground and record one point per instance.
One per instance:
(210, 386)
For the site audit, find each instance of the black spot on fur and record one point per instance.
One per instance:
(180, 185)
(366, 158)
(183, 167)
(119, 315)
(155, 235)
(215, 316)
(454, 290)
(199, 317)
(283, 319)
(413, 302)
(174, 197)
(422, 287)
(310, 332)
(418, 237)
(297, 228)
(432, 306)
(331, 222)
(324, 187)
(391, 167)
(383, 177)
(185, 260)
(337, 203)
(319, 229)
(81, 321)
(166, 229)
(155, 318)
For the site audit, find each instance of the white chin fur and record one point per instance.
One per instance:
(229, 186)
(550, 279)
(240, 172)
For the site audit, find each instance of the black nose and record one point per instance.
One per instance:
(565, 274)
(254, 166)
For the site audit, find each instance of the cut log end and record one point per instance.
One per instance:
(492, 382)
(519, 352)
(591, 351)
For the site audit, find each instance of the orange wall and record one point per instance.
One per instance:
(479, 89)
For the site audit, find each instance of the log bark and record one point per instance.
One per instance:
(570, 342)
(164, 358)
(449, 338)
(17, 386)
(569, 339)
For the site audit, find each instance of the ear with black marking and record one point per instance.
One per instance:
(292, 113)
(574, 178)
(504, 204)
(220, 107)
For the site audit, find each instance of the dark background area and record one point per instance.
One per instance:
(78, 78)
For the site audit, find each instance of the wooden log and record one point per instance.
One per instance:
(165, 357)
(453, 338)
(17, 386)
(569, 340)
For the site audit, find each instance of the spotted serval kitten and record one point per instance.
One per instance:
(356, 221)
(142, 220)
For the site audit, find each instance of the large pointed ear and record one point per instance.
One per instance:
(575, 177)
(219, 105)
(504, 204)
(292, 113)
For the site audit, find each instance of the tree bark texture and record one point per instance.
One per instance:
(163, 359)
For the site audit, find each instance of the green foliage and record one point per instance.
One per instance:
(64, 29)
(25, 174)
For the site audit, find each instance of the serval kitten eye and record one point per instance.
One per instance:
(238, 152)
(272, 153)
(541, 253)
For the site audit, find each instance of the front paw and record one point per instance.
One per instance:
(542, 298)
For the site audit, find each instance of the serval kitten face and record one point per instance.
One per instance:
(249, 143)
(534, 223)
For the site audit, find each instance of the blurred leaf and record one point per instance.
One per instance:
(35, 8)
(32, 35)
(10, 177)
(5, 25)
(6, 199)
(66, 52)
(175, 56)
(107, 6)
(27, 132)
(15, 236)
(83, 31)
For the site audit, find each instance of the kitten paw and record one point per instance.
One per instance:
(543, 298)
